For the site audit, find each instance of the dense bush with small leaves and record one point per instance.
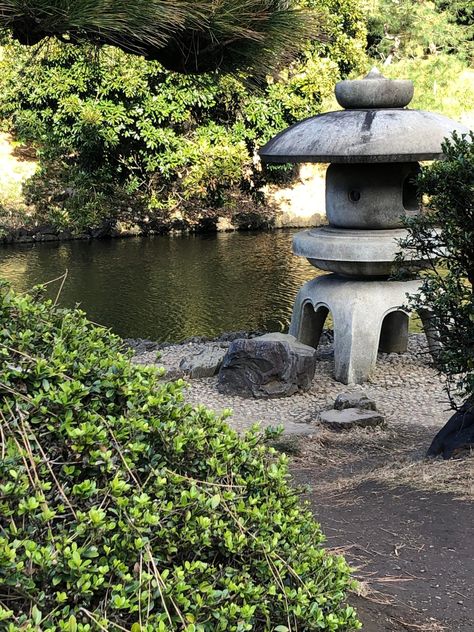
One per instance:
(430, 43)
(124, 508)
(448, 283)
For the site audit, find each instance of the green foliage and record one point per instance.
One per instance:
(447, 289)
(429, 43)
(120, 137)
(443, 83)
(402, 28)
(122, 507)
(461, 12)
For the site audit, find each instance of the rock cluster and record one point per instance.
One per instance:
(354, 400)
(351, 410)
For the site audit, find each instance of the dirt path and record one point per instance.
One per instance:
(411, 545)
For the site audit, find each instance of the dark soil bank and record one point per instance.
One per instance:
(414, 549)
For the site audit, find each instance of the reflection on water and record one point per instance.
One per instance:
(170, 288)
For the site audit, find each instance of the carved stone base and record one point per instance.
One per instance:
(368, 316)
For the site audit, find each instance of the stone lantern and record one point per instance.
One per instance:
(374, 146)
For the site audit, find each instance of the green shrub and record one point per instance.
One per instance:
(431, 44)
(124, 508)
(461, 12)
(447, 287)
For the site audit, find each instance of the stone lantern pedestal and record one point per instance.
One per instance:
(374, 146)
(367, 317)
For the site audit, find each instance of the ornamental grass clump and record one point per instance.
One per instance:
(124, 508)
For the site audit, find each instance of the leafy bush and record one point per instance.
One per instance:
(447, 288)
(123, 508)
(134, 139)
(461, 12)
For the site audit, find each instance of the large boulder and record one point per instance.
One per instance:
(273, 365)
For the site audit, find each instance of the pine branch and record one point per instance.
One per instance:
(185, 36)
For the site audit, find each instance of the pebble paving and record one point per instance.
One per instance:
(405, 387)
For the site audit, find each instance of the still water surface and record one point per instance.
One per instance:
(170, 288)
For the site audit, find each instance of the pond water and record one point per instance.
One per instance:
(169, 288)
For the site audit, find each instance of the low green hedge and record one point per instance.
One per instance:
(124, 508)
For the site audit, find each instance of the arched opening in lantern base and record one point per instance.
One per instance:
(312, 324)
(394, 332)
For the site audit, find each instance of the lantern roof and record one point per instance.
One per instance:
(374, 127)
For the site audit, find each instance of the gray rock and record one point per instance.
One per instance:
(206, 363)
(273, 365)
(45, 229)
(350, 418)
(354, 400)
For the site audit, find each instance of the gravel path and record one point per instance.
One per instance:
(405, 387)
